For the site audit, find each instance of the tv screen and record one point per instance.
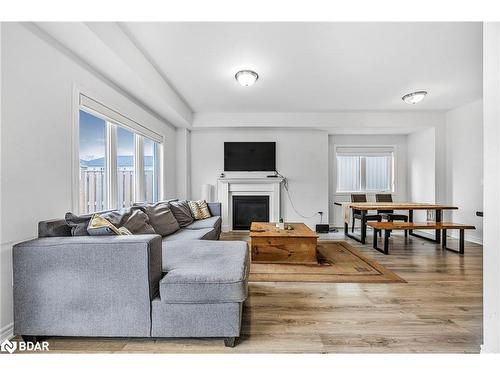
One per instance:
(249, 156)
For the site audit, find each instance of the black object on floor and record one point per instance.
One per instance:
(322, 228)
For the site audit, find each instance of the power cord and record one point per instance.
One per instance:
(285, 185)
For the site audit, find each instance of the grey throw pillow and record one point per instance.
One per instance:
(182, 212)
(99, 226)
(132, 218)
(160, 217)
(78, 224)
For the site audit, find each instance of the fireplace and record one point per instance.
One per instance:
(248, 208)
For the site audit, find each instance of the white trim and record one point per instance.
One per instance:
(162, 184)
(367, 150)
(139, 168)
(228, 187)
(111, 166)
(75, 149)
(7, 332)
(94, 106)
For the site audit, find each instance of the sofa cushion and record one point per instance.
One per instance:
(211, 222)
(182, 212)
(204, 271)
(160, 217)
(192, 234)
(199, 209)
(99, 226)
(78, 224)
(132, 218)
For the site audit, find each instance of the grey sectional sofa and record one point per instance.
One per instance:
(186, 284)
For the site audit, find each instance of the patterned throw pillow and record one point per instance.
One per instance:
(199, 209)
(99, 226)
(205, 212)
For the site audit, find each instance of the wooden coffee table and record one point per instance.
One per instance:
(269, 244)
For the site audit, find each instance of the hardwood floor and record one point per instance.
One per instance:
(438, 310)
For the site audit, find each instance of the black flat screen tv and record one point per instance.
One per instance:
(249, 156)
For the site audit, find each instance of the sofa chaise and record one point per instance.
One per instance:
(186, 284)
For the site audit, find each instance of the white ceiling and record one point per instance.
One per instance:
(315, 67)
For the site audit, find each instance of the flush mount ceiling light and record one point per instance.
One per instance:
(414, 97)
(246, 77)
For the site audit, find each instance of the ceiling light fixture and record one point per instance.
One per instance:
(414, 97)
(246, 77)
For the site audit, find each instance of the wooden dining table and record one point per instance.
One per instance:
(364, 207)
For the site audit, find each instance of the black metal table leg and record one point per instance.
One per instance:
(363, 227)
(410, 219)
(438, 220)
(437, 236)
(461, 242)
(347, 234)
(386, 241)
(385, 250)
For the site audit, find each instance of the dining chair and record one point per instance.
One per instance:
(389, 215)
(356, 214)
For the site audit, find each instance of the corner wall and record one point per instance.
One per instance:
(464, 166)
(36, 146)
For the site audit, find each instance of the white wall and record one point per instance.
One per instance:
(421, 169)
(183, 161)
(399, 141)
(491, 224)
(301, 156)
(36, 159)
(464, 166)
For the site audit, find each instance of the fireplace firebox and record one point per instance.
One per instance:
(248, 208)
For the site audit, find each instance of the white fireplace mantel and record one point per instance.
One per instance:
(227, 187)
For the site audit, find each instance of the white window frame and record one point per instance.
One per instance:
(363, 152)
(82, 101)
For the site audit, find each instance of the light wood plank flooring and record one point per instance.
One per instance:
(438, 310)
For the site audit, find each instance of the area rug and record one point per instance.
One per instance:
(339, 262)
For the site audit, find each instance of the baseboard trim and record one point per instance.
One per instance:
(472, 239)
(7, 332)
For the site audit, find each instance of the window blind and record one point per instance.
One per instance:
(100, 109)
(365, 151)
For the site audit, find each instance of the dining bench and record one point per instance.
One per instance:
(388, 227)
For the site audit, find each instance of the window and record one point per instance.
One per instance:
(92, 194)
(365, 169)
(125, 168)
(119, 160)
